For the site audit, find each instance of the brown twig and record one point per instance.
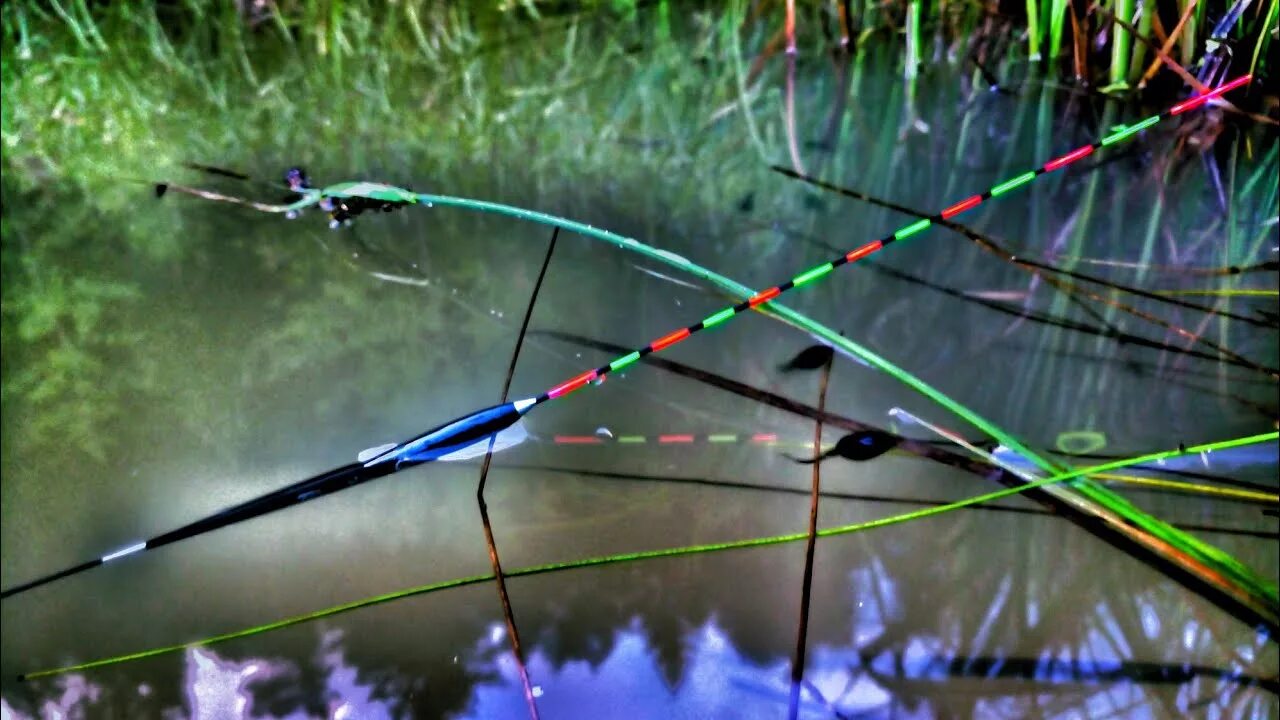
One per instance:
(1168, 43)
(507, 613)
(791, 27)
(846, 23)
(1173, 65)
(802, 632)
(771, 47)
(1079, 41)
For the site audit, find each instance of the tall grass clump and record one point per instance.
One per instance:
(1115, 45)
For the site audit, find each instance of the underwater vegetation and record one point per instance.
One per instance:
(501, 203)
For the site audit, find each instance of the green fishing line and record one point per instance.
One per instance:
(652, 554)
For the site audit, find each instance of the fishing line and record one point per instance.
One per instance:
(1165, 296)
(1268, 266)
(1228, 292)
(837, 495)
(649, 555)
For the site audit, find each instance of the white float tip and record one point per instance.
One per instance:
(126, 551)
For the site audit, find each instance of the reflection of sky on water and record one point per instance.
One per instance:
(629, 682)
(866, 679)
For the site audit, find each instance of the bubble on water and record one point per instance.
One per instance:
(604, 431)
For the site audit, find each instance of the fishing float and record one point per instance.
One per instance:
(459, 436)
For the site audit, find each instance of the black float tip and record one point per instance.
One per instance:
(161, 189)
(810, 358)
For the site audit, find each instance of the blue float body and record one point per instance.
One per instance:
(457, 435)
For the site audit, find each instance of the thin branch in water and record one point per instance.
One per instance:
(802, 632)
(1169, 42)
(854, 497)
(1268, 266)
(507, 612)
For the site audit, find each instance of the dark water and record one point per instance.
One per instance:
(151, 383)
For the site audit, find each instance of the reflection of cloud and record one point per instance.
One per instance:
(347, 697)
(222, 689)
(920, 676)
(77, 694)
(629, 683)
(219, 689)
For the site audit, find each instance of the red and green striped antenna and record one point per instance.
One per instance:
(874, 246)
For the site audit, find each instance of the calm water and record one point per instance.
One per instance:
(151, 383)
